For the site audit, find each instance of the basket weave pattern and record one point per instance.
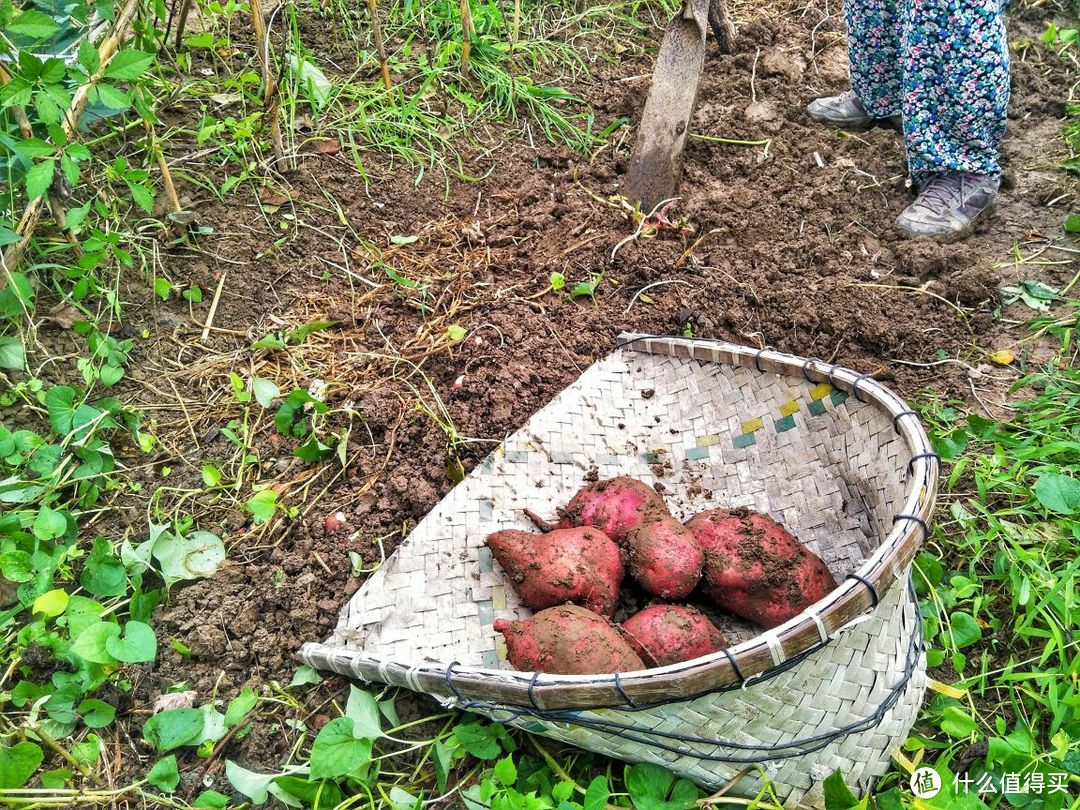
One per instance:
(716, 425)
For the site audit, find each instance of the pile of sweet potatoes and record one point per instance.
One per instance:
(572, 575)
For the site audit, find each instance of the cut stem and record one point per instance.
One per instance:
(466, 34)
(270, 96)
(515, 32)
(380, 46)
(163, 165)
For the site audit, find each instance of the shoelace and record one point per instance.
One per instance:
(941, 191)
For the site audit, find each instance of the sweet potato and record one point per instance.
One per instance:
(668, 634)
(755, 568)
(568, 640)
(580, 565)
(665, 558)
(616, 506)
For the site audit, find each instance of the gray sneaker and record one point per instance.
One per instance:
(949, 206)
(845, 111)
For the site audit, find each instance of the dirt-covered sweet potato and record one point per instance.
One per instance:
(616, 506)
(668, 634)
(665, 558)
(568, 640)
(755, 568)
(579, 565)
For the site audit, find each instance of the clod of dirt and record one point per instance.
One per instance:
(925, 259)
(335, 521)
(765, 115)
(782, 62)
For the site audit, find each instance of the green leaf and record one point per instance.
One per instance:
(49, 524)
(211, 800)
(403, 800)
(51, 603)
(455, 332)
(311, 79)
(240, 705)
(112, 97)
(137, 645)
(91, 643)
(128, 65)
(327, 794)
(313, 450)
(262, 505)
(957, 723)
(96, 713)
(305, 675)
(478, 740)
(164, 775)
(12, 353)
(39, 177)
(597, 794)
(965, 630)
(195, 555)
(173, 728)
(250, 783)
(837, 794)
(1072, 223)
(211, 475)
(505, 771)
(265, 391)
(889, 800)
(18, 763)
(1058, 493)
(652, 787)
(362, 709)
(33, 24)
(558, 281)
(104, 574)
(399, 239)
(56, 779)
(336, 750)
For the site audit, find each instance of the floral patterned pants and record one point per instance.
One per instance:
(941, 64)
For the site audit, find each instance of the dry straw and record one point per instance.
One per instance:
(833, 455)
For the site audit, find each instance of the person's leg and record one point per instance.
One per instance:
(874, 55)
(876, 94)
(956, 92)
(956, 85)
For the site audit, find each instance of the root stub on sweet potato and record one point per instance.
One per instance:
(755, 568)
(568, 640)
(669, 634)
(616, 506)
(579, 565)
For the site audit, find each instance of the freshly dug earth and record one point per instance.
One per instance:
(791, 249)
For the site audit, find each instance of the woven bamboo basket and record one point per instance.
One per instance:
(837, 458)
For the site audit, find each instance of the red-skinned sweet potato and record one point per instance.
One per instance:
(755, 568)
(580, 565)
(616, 506)
(668, 634)
(568, 640)
(665, 558)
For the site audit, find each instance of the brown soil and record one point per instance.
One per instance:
(790, 249)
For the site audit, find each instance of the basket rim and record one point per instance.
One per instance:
(748, 661)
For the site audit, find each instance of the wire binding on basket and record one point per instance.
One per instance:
(808, 364)
(532, 689)
(915, 519)
(734, 665)
(855, 386)
(917, 456)
(757, 360)
(896, 419)
(618, 685)
(869, 586)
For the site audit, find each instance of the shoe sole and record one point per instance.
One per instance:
(871, 123)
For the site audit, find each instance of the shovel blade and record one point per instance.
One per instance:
(665, 122)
